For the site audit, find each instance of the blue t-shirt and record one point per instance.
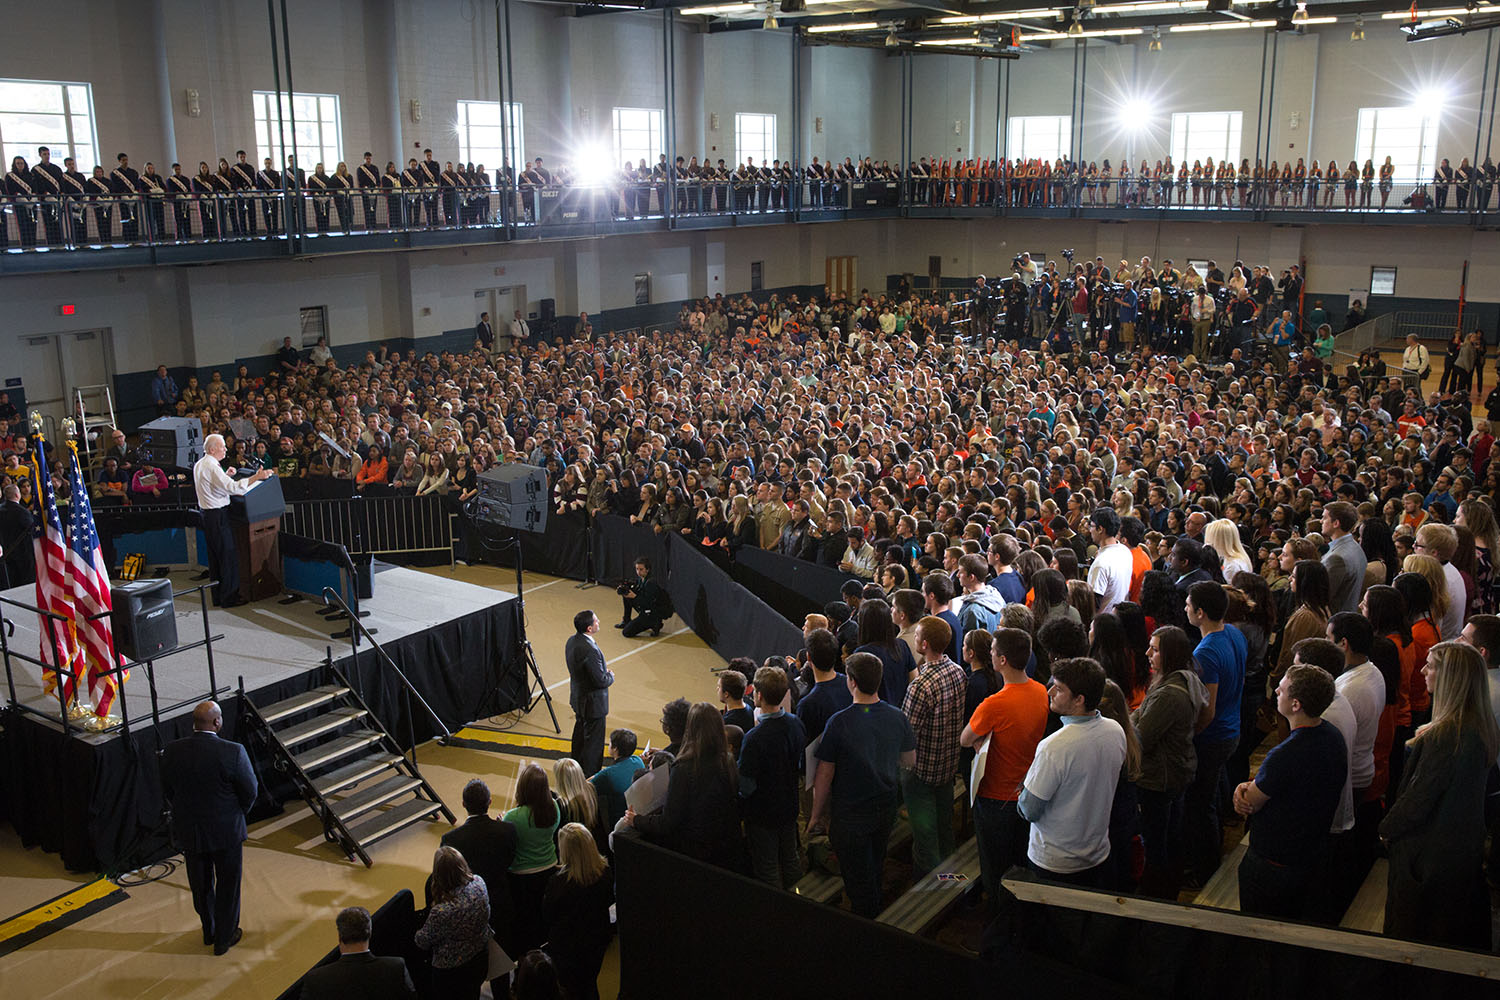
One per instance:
(1304, 776)
(1126, 312)
(896, 665)
(1221, 659)
(1011, 587)
(610, 784)
(820, 704)
(956, 644)
(864, 743)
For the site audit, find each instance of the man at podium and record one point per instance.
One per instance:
(214, 490)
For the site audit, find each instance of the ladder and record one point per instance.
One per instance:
(347, 766)
(101, 414)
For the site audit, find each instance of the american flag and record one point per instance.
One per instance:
(91, 599)
(54, 591)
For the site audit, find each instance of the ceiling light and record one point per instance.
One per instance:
(1300, 14)
(1358, 34)
(1075, 29)
(723, 8)
(1317, 20)
(1222, 26)
(1422, 15)
(891, 41)
(1155, 44)
(949, 42)
(1151, 5)
(819, 29)
(1039, 13)
(1053, 36)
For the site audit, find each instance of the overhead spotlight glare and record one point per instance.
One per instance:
(1358, 34)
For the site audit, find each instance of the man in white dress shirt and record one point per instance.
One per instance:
(516, 329)
(214, 490)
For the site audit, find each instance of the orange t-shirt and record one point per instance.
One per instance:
(1424, 635)
(1015, 719)
(1140, 566)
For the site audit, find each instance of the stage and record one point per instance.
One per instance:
(95, 798)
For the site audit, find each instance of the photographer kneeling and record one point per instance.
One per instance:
(646, 599)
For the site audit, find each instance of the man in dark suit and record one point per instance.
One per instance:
(210, 786)
(15, 540)
(358, 973)
(484, 333)
(489, 846)
(588, 695)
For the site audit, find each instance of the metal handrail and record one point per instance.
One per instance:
(356, 629)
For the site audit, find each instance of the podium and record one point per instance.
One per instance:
(255, 519)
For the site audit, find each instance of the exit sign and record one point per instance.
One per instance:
(67, 310)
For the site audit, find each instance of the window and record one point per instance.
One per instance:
(637, 135)
(314, 323)
(755, 135)
(1039, 137)
(1407, 135)
(59, 116)
(479, 138)
(316, 138)
(1198, 135)
(1382, 281)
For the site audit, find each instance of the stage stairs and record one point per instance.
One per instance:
(348, 767)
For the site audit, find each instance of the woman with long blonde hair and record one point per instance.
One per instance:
(576, 910)
(1435, 830)
(1223, 536)
(1432, 571)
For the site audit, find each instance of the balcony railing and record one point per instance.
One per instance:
(303, 217)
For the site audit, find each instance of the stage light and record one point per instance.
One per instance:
(1075, 29)
(1155, 44)
(769, 23)
(1358, 34)
(891, 41)
(592, 165)
(1300, 14)
(1431, 98)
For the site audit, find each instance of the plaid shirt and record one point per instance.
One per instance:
(935, 708)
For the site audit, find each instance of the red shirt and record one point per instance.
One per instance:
(1015, 719)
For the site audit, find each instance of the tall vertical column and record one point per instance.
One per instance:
(161, 78)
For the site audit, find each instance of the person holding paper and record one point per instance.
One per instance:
(214, 487)
(1007, 726)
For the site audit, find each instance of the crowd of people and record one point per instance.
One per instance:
(1128, 571)
(53, 205)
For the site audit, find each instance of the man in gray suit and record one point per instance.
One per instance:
(1344, 560)
(210, 785)
(588, 695)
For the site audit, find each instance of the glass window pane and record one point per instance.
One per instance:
(78, 98)
(29, 95)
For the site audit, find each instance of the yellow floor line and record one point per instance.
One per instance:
(513, 739)
(56, 909)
